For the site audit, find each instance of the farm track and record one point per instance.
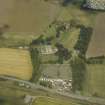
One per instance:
(34, 87)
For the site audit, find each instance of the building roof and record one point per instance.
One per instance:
(95, 4)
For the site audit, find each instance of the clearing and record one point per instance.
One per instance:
(16, 63)
(56, 71)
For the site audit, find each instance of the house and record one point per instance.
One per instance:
(47, 49)
(95, 4)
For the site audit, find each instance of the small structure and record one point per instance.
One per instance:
(58, 84)
(47, 49)
(29, 99)
(95, 4)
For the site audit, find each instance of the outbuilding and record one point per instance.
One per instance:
(95, 4)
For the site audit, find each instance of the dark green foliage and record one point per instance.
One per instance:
(63, 53)
(46, 84)
(2, 101)
(37, 41)
(60, 29)
(84, 39)
(75, 2)
(78, 73)
(41, 40)
(96, 60)
(36, 64)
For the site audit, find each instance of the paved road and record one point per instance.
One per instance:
(97, 101)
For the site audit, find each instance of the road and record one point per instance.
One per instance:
(33, 87)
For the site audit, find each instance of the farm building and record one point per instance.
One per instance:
(95, 4)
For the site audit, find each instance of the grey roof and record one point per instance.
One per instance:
(96, 4)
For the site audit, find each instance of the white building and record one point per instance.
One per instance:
(95, 4)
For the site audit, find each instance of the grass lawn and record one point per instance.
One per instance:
(15, 62)
(76, 13)
(52, 101)
(72, 12)
(95, 83)
(55, 71)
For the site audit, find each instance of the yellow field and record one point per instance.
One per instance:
(15, 62)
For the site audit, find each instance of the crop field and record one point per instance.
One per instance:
(16, 63)
(26, 20)
(95, 80)
(97, 44)
(51, 101)
(26, 15)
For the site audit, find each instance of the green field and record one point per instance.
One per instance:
(52, 101)
(15, 94)
(55, 71)
(16, 63)
(95, 80)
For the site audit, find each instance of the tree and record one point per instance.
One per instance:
(78, 73)
(84, 39)
(63, 53)
(36, 64)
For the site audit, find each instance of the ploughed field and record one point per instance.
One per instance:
(26, 15)
(97, 43)
(16, 63)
